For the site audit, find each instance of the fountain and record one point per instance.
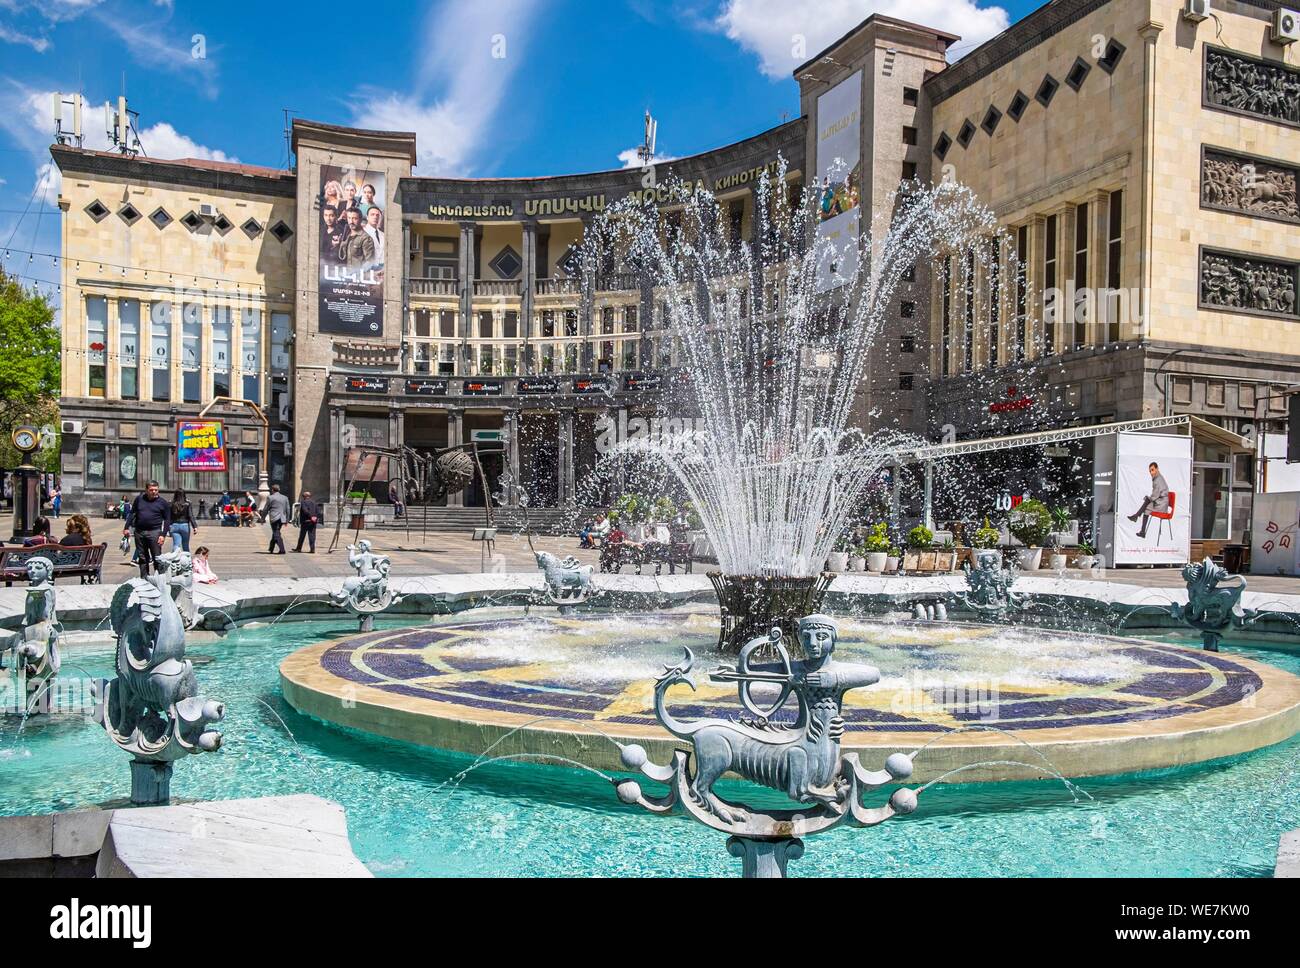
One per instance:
(801, 759)
(775, 336)
(988, 587)
(1212, 608)
(180, 579)
(568, 581)
(153, 709)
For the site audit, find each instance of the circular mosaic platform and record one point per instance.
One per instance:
(565, 685)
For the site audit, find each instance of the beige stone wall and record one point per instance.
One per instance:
(1180, 225)
(113, 259)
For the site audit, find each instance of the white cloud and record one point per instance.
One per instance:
(471, 52)
(149, 47)
(785, 33)
(38, 44)
(630, 158)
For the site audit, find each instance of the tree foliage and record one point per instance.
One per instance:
(29, 366)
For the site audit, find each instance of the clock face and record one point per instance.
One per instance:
(25, 439)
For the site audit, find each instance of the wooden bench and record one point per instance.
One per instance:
(85, 562)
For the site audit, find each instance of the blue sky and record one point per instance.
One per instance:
(492, 87)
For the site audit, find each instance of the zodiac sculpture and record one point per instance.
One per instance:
(989, 593)
(568, 581)
(153, 709)
(37, 654)
(801, 759)
(1212, 608)
(367, 592)
(180, 578)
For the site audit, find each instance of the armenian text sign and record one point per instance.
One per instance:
(200, 445)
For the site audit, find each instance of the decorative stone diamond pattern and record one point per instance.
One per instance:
(1249, 86)
(1230, 281)
(1249, 186)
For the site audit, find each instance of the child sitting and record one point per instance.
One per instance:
(202, 570)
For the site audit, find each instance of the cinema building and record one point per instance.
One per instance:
(1124, 149)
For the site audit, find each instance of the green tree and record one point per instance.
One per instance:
(29, 368)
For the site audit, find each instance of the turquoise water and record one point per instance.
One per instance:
(406, 817)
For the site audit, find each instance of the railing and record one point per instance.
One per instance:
(347, 353)
(558, 287)
(497, 287)
(434, 287)
(618, 282)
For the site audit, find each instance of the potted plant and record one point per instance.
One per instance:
(892, 560)
(1086, 557)
(919, 556)
(945, 558)
(1030, 523)
(985, 537)
(1060, 528)
(876, 547)
(857, 558)
(839, 558)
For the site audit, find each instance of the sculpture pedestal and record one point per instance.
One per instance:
(764, 858)
(151, 784)
(367, 623)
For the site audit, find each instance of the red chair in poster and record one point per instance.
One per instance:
(1166, 516)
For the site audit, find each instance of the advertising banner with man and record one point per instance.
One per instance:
(1153, 519)
(350, 236)
(839, 179)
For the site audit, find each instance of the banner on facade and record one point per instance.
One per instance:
(1153, 499)
(839, 180)
(200, 445)
(351, 229)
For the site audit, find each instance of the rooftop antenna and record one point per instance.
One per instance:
(68, 108)
(647, 150)
(122, 126)
(288, 137)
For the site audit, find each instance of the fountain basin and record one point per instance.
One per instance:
(564, 686)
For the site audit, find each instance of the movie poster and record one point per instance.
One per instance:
(839, 179)
(1153, 498)
(200, 445)
(351, 236)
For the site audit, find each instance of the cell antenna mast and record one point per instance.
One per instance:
(647, 150)
(67, 119)
(122, 126)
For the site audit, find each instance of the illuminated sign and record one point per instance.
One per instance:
(1015, 401)
(367, 384)
(481, 388)
(425, 388)
(543, 385)
(200, 445)
(642, 381)
(582, 384)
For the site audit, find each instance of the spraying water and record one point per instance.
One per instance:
(774, 338)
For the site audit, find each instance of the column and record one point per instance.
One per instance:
(407, 359)
(1034, 286)
(566, 469)
(1150, 32)
(455, 435)
(467, 271)
(113, 352)
(174, 359)
(586, 307)
(1097, 224)
(511, 426)
(528, 296)
(336, 454)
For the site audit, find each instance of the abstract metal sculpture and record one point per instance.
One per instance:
(801, 759)
(989, 583)
(153, 709)
(367, 592)
(37, 654)
(1212, 608)
(568, 581)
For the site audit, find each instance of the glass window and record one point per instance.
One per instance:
(548, 323)
(510, 325)
(629, 319)
(629, 354)
(160, 465)
(280, 343)
(97, 343)
(607, 320)
(1114, 253)
(1080, 307)
(252, 355)
(1049, 284)
(128, 346)
(447, 324)
(160, 349)
(128, 466)
(191, 351)
(221, 351)
(995, 299)
(95, 466)
(485, 324)
(570, 322)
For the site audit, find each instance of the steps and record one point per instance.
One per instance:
(555, 521)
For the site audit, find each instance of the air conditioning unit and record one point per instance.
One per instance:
(1197, 10)
(279, 436)
(1286, 26)
(208, 211)
(71, 426)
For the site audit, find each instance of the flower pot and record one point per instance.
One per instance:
(857, 564)
(876, 561)
(1029, 559)
(891, 564)
(1087, 562)
(929, 561)
(839, 561)
(1057, 561)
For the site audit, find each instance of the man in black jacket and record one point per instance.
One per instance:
(150, 517)
(308, 518)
